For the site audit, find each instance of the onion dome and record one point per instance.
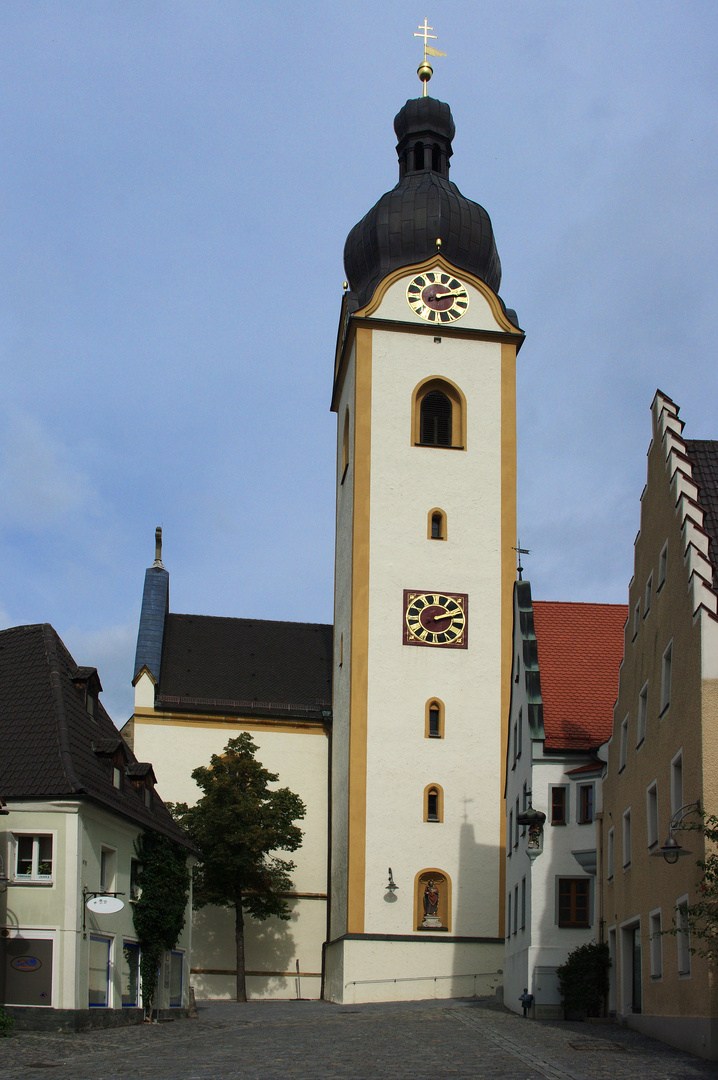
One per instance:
(403, 226)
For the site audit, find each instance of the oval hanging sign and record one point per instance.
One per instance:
(105, 905)
(26, 963)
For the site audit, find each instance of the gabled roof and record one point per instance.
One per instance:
(580, 648)
(213, 663)
(51, 746)
(703, 454)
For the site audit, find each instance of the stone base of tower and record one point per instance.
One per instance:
(376, 967)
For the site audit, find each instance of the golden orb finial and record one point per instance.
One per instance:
(438, 243)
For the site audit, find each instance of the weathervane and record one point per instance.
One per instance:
(425, 70)
(520, 551)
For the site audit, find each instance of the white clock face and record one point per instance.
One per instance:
(437, 297)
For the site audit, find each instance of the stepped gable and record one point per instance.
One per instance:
(692, 468)
(51, 746)
(211, 663)
(580, 649)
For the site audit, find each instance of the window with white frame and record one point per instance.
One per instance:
(662, 567)
(648, 596)
(523, 903)
(610, 852)
(677, 783)
(511, 834)
(656, 944)
(108, 866)
(516, 909)
(652, 814)
(33, 857)
(508, 920)
(666, 665)
(642, 714)
(683, 937)
(520, 733)
(627, 839)
(99, 973)
(516, 824)
(623, 753)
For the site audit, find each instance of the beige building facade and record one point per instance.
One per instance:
(662, 753)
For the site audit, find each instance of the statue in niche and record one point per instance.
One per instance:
(431, 898)
(430, 901)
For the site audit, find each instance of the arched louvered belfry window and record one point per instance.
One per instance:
(435, 158)
(438, 415)
(435, 419)
(418, 156)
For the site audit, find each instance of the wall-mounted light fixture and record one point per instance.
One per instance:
(392, 886)
(533, 820)
(671, 850)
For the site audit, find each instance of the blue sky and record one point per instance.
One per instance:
(179, 181)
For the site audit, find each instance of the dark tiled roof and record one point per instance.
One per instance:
(580, 648)
(49, 739)
(233, 664)
(703, 454)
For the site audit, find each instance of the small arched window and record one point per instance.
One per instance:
(433, 803)
(435, 158)
(438, 415)
(419, 156)
(435, 419)
(345, 447)
(434, 719)
(436, 524)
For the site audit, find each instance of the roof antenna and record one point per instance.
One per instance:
(520, 551)
(158, 548)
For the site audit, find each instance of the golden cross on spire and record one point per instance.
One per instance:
(425, 70)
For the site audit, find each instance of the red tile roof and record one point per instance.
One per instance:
(580, 648)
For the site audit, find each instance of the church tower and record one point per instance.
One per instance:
(424, 391)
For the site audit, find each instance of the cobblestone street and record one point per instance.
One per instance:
(430, 1040)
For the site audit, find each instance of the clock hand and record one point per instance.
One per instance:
(450, 292)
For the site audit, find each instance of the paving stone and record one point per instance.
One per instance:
(429, 1040)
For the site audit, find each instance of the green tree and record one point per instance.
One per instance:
(238, 824)
(158, 913)
(583, 979)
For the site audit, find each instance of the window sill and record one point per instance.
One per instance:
(652, 845)
(621, 769)
(559, 823)
(436, 446)
(664, 710)
(626, 866)
(30, 881)
(660, 586)
(658, 978)
(640, 743)
(585, 822)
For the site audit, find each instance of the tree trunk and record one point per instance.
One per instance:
(239, 941)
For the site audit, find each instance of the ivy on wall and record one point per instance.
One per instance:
(159, 912)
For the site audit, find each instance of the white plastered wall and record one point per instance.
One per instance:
(300, 757)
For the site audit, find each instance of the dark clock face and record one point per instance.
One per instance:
(435, 618)
(437, 297)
